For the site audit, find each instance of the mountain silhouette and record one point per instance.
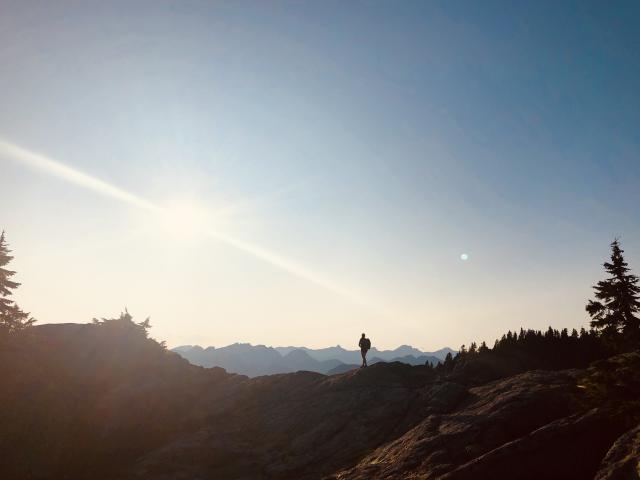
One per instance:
(409, 359)
(256, 360)
(353, 356)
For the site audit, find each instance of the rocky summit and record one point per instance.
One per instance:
(121, 407)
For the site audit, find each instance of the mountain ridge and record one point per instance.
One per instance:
(104, 402)
(256, 360)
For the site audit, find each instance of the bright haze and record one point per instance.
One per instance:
(296, 173)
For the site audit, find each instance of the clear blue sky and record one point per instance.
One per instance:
(369, 144)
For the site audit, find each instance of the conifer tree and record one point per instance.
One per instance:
(448, 362)
(125, 321)
(12, 318)
(617, 298)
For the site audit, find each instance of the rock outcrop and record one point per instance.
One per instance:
(304, 425)
(95, 401)
(395, 422)
(622, 461)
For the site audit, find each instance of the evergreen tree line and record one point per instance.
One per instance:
(615, 327)
(551, 349)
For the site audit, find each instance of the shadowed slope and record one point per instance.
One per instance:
(301, 425)
(537, 424)
(74, 397)
(103, 401)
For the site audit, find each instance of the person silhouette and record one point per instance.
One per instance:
(365, 345)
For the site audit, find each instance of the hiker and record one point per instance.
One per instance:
(365, 345)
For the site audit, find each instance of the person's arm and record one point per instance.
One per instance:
(360, 343)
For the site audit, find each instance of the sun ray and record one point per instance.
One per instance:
(53, 167)
(49, 165)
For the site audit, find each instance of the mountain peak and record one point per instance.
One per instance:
(255, 360)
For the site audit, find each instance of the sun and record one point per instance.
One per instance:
(185, 219)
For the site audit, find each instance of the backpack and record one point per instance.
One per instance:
(367, 344)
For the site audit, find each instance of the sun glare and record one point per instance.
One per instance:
(185, 219)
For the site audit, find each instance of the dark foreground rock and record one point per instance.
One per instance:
(623, 459)
(529, 426)
(304, 425)
(95, 402)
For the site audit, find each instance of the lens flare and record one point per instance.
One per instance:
(186, 219)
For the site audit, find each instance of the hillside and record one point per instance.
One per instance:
(256, 360)
(103, 401)
(75, 396)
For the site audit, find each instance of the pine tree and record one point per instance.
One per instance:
(125, 322)
(617, 298)
(448, 362)
(12, 318)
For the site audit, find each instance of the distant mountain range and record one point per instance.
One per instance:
(256, 360)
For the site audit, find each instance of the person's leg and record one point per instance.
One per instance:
(364, 360)
(364, 357)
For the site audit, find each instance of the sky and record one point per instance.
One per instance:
(297, 173)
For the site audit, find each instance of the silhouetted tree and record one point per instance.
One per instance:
(527, 349)
(12, 318)
(617, 298)
(125, 321)
(448, 362)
